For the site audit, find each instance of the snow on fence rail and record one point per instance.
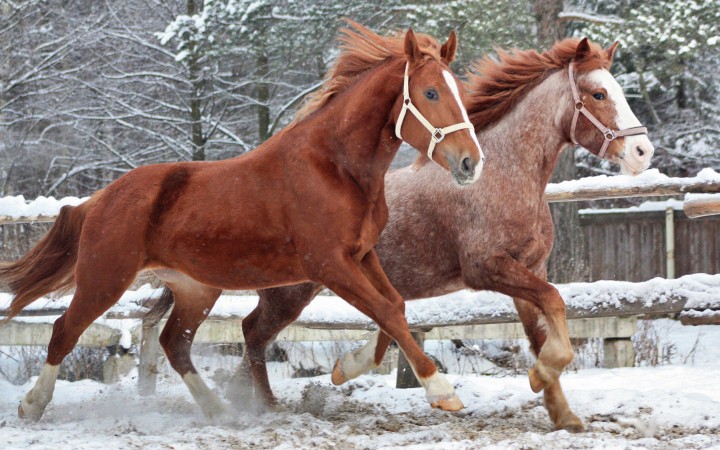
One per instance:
(462, 315)
(698, 292)
(649, 183)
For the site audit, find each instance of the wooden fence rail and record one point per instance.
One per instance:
(701, 205)
(605, 309)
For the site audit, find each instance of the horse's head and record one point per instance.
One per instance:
(603, 122)
(430, 115)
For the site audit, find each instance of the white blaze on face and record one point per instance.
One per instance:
(633, 162)
(452, 84)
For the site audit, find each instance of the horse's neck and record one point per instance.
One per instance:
(526, 143)
(359, 126)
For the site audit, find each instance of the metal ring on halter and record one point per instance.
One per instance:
(438, 135)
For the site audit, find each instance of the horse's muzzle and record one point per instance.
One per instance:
(467, 170)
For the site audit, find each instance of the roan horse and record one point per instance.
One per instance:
(497, 234)
(307, 205)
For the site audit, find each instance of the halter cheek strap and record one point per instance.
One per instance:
(609, 134)
(436, 134)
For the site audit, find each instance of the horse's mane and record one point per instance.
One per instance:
(495, 87)
(360, 50)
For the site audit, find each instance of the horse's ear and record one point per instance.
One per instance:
(611, 51)
(412, 51)
(447, 51)
(583, 49)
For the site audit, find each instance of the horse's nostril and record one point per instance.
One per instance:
(640, 151)
(466, 165)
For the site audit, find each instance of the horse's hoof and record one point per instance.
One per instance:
(448, 404)
(28, 415)
(570, 423)
(337, 376)
(275, 408)
(222, 417)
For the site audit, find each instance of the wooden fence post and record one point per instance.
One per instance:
(405, 376)
(618, 352)
(149, 353)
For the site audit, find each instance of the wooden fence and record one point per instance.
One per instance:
(604, 309)
(586, 319)
(637, 246)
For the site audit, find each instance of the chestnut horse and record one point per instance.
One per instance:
(307, 205)
(497, 234)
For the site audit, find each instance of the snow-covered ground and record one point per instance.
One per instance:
(668, 407)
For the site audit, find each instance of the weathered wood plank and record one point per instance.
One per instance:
(693, 317)
(4, 220)
(24, 333)
(647, 190)
(696, 206)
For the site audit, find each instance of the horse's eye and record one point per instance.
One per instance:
(599, 96)
(431, 94)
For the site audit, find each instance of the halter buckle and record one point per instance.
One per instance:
(438, 135)
(609, 135)
(579, 105)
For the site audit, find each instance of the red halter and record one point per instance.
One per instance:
(609, 134)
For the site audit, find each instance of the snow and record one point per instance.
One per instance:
(703, 290)
(675, 406)
(695, 197)
(42, 206)
(649, 178)
(648, 206)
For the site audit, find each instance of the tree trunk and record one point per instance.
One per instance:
(196, 81)
(568, 259)
(263, 97)
(549, 26)
(646, 95)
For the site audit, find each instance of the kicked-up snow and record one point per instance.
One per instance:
(668, 407)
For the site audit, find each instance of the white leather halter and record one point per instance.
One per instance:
(609, 134)
(436, 134)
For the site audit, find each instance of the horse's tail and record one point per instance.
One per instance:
(49, 266)
(159, 308)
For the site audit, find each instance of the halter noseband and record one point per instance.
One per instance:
(436, 134)
(609, 134)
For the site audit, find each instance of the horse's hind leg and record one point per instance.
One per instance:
(276, 309)
(193, 302)
(90, 301)
(555, 402)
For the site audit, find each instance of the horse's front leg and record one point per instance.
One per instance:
(362, 285)
(542, 311)
(557, 406)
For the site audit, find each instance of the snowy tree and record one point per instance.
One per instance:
(668, 61)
